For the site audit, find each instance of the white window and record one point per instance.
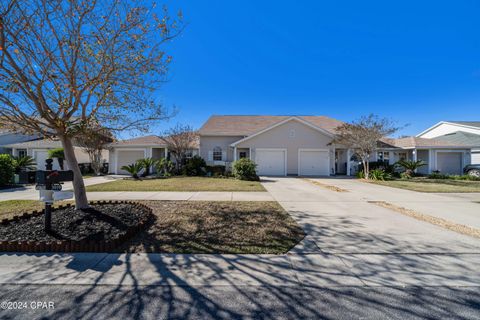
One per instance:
(22, 153)
(242, 154)
(189, 154)
(383, 155)
(217, 154)
(402, 156)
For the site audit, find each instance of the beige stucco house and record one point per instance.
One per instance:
(279, 145)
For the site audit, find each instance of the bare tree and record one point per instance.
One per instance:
(363, 135)
(180, 139)
(94, 141)
(65, 64)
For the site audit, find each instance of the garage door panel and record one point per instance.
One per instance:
(449, 162)
(314, 163)
(128, 157)
(270, 162)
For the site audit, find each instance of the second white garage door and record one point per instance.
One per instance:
(313, 163)
(271, 162)
(449, 162)
(127, 157)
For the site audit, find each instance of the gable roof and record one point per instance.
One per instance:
(33, 144)
(461, 138)
(246, 125)
(140, 141)
(467, 123)
(416, 142)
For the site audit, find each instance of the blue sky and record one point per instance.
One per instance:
(416, 62)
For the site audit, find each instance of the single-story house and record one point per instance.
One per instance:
(9, 137)
(38, 149)
(126, 152)
(459, 132)
(298, 145)
(279, 145)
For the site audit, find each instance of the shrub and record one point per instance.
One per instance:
(410, 166)
(146, 164)
(361, 174)
(7, 169)
(24, 163)
(134, 169)
(164, 167)
(379, 174)
(59, 154)
(244, 169)
(436, 175)
(195, 166)
(404, 176)
(216, 170)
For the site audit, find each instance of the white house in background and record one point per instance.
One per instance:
(460, 132)
(9, 137)
(38, 149)
(126, 152)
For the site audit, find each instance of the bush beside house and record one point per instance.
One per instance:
(245, 169)
(7, 169)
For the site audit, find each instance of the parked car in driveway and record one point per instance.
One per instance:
(472, 170)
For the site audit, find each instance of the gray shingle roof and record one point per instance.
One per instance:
(467, 123)
(41, 144)
(245, 125)
(461, 138)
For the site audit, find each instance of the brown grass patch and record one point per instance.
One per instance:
(217, 227)
(460, 228)
(326, 186)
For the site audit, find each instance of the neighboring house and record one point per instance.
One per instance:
(126, 152)
(38, 149)
(279, 145)
(9, 137)
(461, 132)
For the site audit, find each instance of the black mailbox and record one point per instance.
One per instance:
(44, 177)
(26, 177)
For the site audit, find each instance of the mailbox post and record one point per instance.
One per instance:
(49, 183)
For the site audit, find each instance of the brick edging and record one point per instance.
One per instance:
(71, 245)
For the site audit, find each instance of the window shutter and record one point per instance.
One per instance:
(210, 155)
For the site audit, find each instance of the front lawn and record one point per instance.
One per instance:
(217, 227)
(202, 227)
(10, 208)
(179, 184)
(433, 185)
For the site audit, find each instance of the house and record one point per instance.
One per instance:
(38, 150)
(9, 137)
(126, 152)
(279, 145)
(462, 132)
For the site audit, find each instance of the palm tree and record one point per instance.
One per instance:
(133, 169)
(410, 166)
(24, 163)
(147, 163)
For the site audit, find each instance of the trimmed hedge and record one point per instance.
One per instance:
(245, 169)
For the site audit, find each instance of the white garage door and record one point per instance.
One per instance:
(449, 162)
(127, 157)
(475, 156)
(271, 162)
(313, 163)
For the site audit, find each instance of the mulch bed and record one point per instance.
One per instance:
(103, 226)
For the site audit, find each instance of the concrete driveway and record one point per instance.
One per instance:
(379, 246)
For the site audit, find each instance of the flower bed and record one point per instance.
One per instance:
(103, 227)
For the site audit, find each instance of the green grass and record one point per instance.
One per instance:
(433, 185)
(12, 208)
(179, 184)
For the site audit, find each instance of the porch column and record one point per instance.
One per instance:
(166, 153)
(414, 157)
(348, 161)
(430, 161)
(235, 153)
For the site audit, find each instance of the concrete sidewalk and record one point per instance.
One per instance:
(291, 270)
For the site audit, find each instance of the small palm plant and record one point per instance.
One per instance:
(134, 169)
(24, 163)
(164, 167)
(410, 166)
(147, 163)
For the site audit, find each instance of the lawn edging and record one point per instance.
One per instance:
(71, 245)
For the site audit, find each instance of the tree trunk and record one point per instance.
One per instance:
(365, 169)
(81, 201)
